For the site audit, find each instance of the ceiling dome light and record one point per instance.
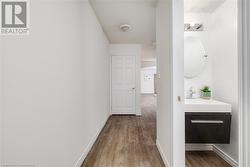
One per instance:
(125, 27)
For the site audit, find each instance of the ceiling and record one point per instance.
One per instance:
(202, 6)
(140, 14)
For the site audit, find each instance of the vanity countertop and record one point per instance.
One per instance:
(202, 105)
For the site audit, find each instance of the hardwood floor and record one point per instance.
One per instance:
(129, 141)
(204, 159)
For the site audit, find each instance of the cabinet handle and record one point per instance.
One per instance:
(207, 122)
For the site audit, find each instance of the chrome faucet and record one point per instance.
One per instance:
(190, 94)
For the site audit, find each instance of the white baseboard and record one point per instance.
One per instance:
(199, 147)
(225, 156)
(164, 158)
(90, 145)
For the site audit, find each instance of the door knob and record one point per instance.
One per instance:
(133, 88)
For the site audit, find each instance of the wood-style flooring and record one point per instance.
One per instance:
(204, 159)
(129, 141)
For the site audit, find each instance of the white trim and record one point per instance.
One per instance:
(243, 81)
(225, 156)
(241, 78)
(148, 60)
(199, 147)
(243, 87)
(110, 85)
(138, 83)
(122, 113)
(163, 156)
(90, 145)
(149, 68)
(147, 94)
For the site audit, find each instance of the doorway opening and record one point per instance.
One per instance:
(211, 83)
(149, 89)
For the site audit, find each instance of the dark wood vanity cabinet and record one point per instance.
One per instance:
(208, 127)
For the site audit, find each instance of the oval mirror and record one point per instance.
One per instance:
(194, 57)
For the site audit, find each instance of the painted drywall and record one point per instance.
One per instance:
(148, 51)
(197, 6)
(205, 78)
(140, 14)
(223, 38)
(147, 80)
(148, 55)
(164, 115)
(1, 103)
(52, 81)
(131, 49)
(246, 68)
(245, 156)
(177, 52)
(148, 63)
(170, 115)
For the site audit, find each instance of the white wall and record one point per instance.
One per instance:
(177, 53)
(148, 52)
(164, 113)
(148, 63)
(246, 90)
(131, 49)
(223, 38)
(170, 114)
(205, 78)
(147, 80)
(1, 103)
(246, 79)
(52, 81)
(148, 56)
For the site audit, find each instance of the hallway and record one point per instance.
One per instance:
(128, 141)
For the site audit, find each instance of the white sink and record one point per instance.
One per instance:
(202, 105)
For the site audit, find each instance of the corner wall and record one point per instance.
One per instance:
(245, 152)
(164, 98)
(170, 98)
(245, 156)
(1, 103)
(56, 86)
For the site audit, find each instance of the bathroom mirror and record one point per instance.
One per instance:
(194, 57)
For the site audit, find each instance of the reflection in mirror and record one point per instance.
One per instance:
(195, 57)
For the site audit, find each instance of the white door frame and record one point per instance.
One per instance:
(170, 61)
(244, 78)
(244, 66)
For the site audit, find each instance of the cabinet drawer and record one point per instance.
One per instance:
(208, 128)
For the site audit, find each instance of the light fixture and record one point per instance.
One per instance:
(194, 26)
(125, 27)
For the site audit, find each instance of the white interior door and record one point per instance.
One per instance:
(123, 85)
